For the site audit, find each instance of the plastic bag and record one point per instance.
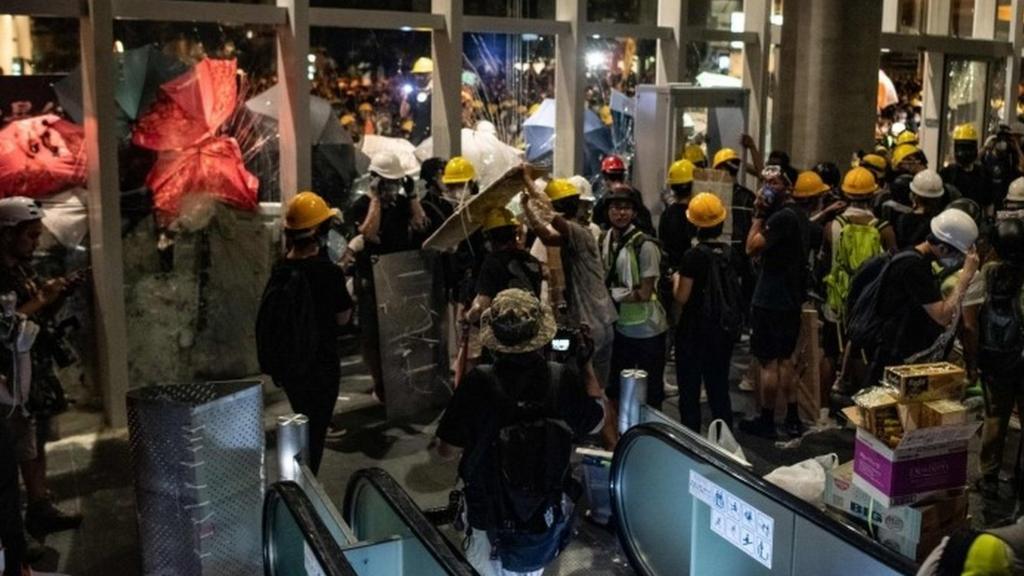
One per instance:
(806, 479)
(720, 435)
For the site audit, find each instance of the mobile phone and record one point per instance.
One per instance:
(560, 344)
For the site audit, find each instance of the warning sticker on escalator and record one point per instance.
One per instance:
(733, 519)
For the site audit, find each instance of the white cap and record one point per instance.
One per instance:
(927, 184)
(956, 228)
(486, 127)
(387, 165)
(583, 187)
(1016, 191)
(18, 209)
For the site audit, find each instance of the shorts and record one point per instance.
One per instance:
(774, 333)
(22, 429)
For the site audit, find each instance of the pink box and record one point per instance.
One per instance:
(926, 461)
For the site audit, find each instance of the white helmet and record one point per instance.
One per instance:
(1016, 191)
(956, 228)
(927, 184)
(387, 165)
(584, 188)
(18, 209)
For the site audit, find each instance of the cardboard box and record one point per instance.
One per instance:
(910, 416)
(918, 550)
(926, 460)
(879, 412)
(926, 382)
(943, 413)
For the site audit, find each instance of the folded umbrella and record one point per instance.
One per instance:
(406, 152)
(41, 155)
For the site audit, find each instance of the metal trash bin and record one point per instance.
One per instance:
(197, 454)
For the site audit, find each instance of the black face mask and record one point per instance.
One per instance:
(965, 154)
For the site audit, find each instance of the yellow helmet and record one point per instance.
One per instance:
(680, 172)
(408, 125)
(307, 210)
(458, 170)
(347, 119)
(499, 218)
(365, 107)
(724, 155)
(695, 154)
(859, 182)
(533, 109)
(705, 210)
(423, 66)
(808, 185)
(965, 132)
(560, 188)
(874, 162)
(902, 152)
(606, 115)
(906, 137)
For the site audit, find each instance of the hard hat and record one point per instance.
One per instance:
(1016, 190)
(680, 172)
(560, 188)
(902, 152)
(533, 109)
(965, 132)
(808, 185)
(606, 115)
(622, 193)
(613, 163)
(695, 154)
(1008, 239)
(499, 218)
(927, 184)
(408, 125)
(584, 188)
(956, 228)
(366, 107)
(387, 165)
(18, 209)
(705, 210)
(423, 66)
(458, 171)
(988, 555)
(724, 155)
(906, 137)
(874, 162)
(306, 210)
(347, 119)
(859, 182)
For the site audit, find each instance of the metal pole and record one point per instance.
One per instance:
(632, 395)
(292, 445)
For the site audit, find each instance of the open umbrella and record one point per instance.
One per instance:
(190, 107)
(491, 157)
(213, 166)
(539, 132)
(323, 120)
(406, 152)
(40, 156)
(470, 216)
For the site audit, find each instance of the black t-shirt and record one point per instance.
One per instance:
(474, 414)
(395, 233)
(508, 269)
(912, 229)
(676, 234)
(437, 210)
(782, 281)
(908, 285)
(695, 265)
(973, 183)
(330, 298)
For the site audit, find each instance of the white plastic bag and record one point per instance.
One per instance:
(722, 438)
(806, 479)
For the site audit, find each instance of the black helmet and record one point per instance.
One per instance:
(970, 207)
(829, 173)
(1008, 240)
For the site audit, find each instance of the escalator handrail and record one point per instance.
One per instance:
(327, 551)
(439, 547)
(702, 452)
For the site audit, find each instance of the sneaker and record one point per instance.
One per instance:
(43, 518)
(758, 427)
(795, 428)
(746, 385)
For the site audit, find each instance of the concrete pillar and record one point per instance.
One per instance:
(296, 163)
(671, 60)
(930, 134)
(829, 79)
(569, 89)
(1013, 76)
(446, 94)
(755, 66)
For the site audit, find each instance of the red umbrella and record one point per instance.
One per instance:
(41, 155)
(214, 167)
(190, 107)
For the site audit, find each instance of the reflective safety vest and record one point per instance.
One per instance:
(630, 313)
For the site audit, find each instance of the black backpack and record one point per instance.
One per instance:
(863, 323)
(286, 327)
(532, 448)
(1001, 328)
(723, 299)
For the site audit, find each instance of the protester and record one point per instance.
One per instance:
(778, 237)
(312, 389)
(695, 154)
(11, 530)
(632, 262)
(1013, 204)
(877, 165)
(39, 300)
(927, 193)
(707, 288)
(507, 264)
(416, 102)
(1002, 158)
(894, 200)
(435, 202)
(742, 214)
(966, 173)
(514, 422)
(613, 177)
(674, 230)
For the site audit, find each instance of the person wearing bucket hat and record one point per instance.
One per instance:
(303, 305)
(520, 406)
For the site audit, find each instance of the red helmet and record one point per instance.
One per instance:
(613, 163)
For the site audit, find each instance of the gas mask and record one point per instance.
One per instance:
(953, 260)
(965, 153)
(387, 189)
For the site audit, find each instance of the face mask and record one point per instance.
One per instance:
(768, 193)
(965, 154)
(952, 262)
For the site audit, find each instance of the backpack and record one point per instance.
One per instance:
(857, 243)
(863, 323)
(723, 299)
(1001, 326)
(286, 328)
(532, 448)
